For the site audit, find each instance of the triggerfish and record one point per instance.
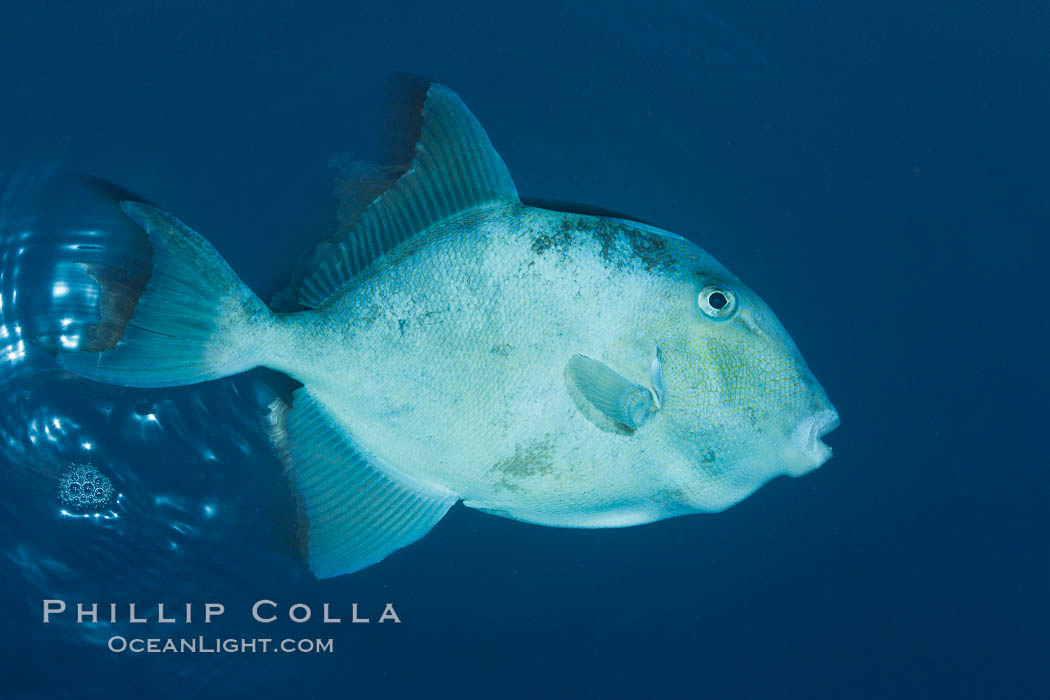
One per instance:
(457, 345)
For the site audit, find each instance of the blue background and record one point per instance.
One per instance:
(878, 173)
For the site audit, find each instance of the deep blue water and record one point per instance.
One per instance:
(877, 173)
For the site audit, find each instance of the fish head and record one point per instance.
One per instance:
(740, 397)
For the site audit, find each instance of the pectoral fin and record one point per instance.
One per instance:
(617, 397)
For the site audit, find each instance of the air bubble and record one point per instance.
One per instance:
(84, 489)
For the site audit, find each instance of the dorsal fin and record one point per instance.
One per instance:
(455, 168)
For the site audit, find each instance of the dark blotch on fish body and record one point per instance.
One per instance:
(652, 250)
(533, 458)
(619, 243)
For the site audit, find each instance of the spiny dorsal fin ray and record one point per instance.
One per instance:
(455, 168)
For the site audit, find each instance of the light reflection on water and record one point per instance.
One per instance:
(203, 509)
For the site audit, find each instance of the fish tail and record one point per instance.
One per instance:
(195, 320)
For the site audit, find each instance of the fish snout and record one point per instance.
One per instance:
(806, 440)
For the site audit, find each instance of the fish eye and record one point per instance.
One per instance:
(716, 301)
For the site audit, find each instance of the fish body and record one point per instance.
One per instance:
(546, 366)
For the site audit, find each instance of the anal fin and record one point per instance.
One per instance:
(355, 511)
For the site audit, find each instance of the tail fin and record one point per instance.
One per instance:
(191, 323)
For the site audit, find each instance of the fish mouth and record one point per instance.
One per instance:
(807, 435)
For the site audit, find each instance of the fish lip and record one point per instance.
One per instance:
(808, 433)
(825, 422)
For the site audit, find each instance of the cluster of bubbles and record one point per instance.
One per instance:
(83, 488)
